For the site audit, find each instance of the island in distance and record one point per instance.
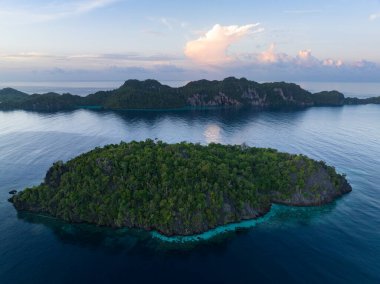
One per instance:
(179, 189)
(150, 94)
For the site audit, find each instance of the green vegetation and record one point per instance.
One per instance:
(333, 98)
(9, 95)
(356, 101)
(150, 94)
(13, 99)
(180, 188)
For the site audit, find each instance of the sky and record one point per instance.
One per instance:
(91, 40)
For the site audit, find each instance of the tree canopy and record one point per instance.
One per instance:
(179, 188)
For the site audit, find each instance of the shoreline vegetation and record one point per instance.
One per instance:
(152, 95)
(179, 189)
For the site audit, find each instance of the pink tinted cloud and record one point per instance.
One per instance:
(271, 56)
(304, 58)
(268, 55)
(332, 62)
(212, 47)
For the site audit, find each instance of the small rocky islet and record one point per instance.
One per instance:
(179, 189)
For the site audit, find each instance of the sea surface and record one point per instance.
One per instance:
(336, 243)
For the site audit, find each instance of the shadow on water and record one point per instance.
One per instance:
(86, 235)
(117, 240)
(134, 240)
(230, 116)
(42, 112)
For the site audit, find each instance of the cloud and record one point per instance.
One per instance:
(52, 11)
(164, 72)
(304, 54)
(302, 11)
(170, 24)
(131, 56)
(97, 61)
(271, 56)
(24, 56)
(305, 58)
(268, 65)
(83, 7)
(166, 23)
(293, 70)
(332, 62)
(212, 47)
(289, 70)
(365, 64)
(373, 17)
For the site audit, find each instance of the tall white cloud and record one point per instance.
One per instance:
(212, 47)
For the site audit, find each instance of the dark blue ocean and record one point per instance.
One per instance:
(337, 243)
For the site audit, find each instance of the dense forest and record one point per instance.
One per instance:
(179, 189)
(150, 94)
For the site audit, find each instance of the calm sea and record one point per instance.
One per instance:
(337, 243)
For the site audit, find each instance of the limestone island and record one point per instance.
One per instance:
(179, 189)
(152, 95)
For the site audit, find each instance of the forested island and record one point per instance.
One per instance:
(150, 94)
(179, 189)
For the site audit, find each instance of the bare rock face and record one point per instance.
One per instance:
(281, 93)
(258, 98)
(253, 98)
(320, 188)
(219, 100)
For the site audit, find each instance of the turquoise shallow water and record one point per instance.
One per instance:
(217, 231)
(336, 243)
